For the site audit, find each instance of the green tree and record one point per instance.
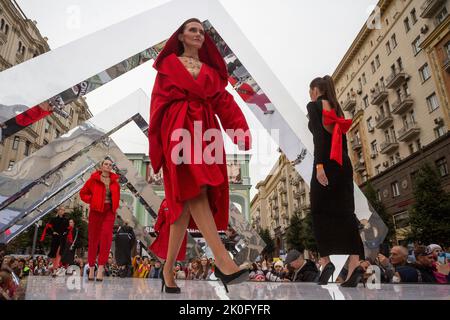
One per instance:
(299, 234)
(293, 234)
(430, 214)
(378, 206)
(270, 243)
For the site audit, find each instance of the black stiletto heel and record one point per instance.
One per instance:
(234, 278)
(168, 289)
(354, 279)
(327, 272)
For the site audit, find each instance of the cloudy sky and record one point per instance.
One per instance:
(298, 39)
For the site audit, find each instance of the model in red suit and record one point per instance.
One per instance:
(162, 227)
(190, 89)
(102, 193)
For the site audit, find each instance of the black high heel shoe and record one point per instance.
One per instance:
(355, 278)
(326, 274)
(168, 289)
(234, 278)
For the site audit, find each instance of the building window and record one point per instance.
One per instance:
(377, 61)
(57, 133)
(395, 189)
(45, 142)
(418, 144)
(388, 48)
(442, 167)
(416, 46)
(394, 41)
(425, 72)
(401, 220)
(364, 79)
(373, 147)
(433, 102)
(374, 69)
(439, 131)
(413, 16)
(441, 16)
(366, 102)
(379, 192)
(411, 148)
(11, 165)
(407, 26)
(16, 143)
(369, 124)
(47, 127)
(397, 158)
(378, 169)
(27, 148)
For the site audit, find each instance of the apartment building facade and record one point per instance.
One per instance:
(281, 195)
(394, 83)
(21, 40)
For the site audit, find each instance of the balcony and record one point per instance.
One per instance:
(297, 195)
(430, 7)
(409, 131)
(388, 147)
(396, 79)
(447, 64)
(284, 203)
(360, 166)
(282, 190)
(356, 144)
(349, 104)
(379, 96)
(402, 104)
(383, 120)
(305, 206)
(302, 191)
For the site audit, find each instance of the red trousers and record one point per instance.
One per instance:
(100, 232)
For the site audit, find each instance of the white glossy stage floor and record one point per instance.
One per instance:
(61, 288)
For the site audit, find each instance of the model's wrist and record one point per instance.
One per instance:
(319, 166)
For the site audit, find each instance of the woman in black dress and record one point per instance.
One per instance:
(335, 224)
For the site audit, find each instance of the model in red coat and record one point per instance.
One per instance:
(188, 93)
(102, 193)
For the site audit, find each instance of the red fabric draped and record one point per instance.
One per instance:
(178, 103)
(70, 235)
(47, 226)
(31, 116)
(162, 227)
(341, 126)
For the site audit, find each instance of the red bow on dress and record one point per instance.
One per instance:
(341, 126)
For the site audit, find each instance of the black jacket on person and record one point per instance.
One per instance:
(308, 273)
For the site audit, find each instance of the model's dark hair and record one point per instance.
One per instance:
(327, 88)
(181, 30)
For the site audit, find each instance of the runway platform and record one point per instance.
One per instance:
(76, 288)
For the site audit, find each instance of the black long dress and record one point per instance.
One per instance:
(335, 225)
(59, 225)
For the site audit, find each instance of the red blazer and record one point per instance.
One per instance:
(94, 192)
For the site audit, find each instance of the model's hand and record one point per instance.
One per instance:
(322, 177)
(56, 233)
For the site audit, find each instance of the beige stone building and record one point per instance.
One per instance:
(394, 83)
(21, 40)
(279, 196)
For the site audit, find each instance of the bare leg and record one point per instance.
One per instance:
(100, 272)
(353, 263)
(91, 272)
(177, 234)
(203, 217)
